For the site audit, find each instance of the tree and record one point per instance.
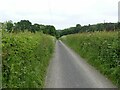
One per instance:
(36, 27)
(49, 29)
(78, 27)
(9, 25)
(100, 27)
(118, 25)
(23, 25)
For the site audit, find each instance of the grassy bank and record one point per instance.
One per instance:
(100, 49)
(25, 59)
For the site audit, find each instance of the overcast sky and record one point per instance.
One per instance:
(60, 13)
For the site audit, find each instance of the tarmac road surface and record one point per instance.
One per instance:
(69, 70)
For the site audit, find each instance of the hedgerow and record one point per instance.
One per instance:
(25, 59)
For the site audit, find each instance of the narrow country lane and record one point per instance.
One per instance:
(68, 70)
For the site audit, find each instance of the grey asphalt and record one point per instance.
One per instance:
(69, 70)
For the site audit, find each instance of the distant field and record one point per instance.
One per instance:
(100, 49)
(25, 59)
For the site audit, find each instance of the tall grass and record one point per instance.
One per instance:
(25, 59)
(100, 49)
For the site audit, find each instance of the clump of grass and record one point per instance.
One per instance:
(100, 49)
(25, 59)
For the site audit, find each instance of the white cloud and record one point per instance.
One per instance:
(60, 13)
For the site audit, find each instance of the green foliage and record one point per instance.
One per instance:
(101, 49)
(25, 59)
(77, 28)
(0, 58)
(36, 27)
(91, 28)
(23, 25)
(9, 26)
(26, 25)
(50, 30)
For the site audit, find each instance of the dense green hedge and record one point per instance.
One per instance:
(101, 49)
(0, 58)
(25, 59)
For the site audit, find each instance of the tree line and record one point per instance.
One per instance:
(90, 28)
(26, 25)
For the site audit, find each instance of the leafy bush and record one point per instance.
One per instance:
(101, 49)
(25, 59)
